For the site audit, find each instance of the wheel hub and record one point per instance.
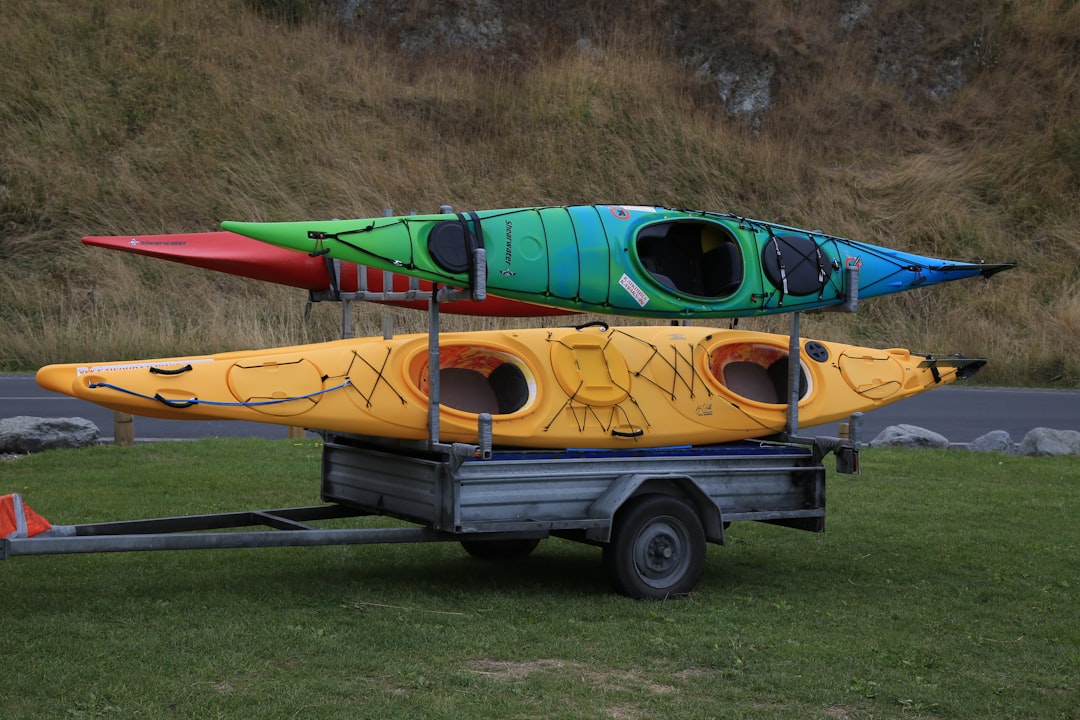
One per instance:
(659, 554)
(660, 548)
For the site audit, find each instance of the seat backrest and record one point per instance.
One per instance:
(510, 387)
(671, 251)
(722, 270)
(778, 371)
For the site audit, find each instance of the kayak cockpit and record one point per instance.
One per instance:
(478, 380)
(501, 392)
(693, 257)
(755, 371)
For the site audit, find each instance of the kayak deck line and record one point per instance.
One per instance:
(188, 402)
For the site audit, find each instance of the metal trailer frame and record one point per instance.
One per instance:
(572, 493)
(501, 503)
(454, 496)
(651, 510)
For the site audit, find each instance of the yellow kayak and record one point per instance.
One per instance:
(648, 386)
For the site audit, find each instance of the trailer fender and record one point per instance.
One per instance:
(625, 487)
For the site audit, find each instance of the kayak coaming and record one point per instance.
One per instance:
(649, 386)
(593, 258)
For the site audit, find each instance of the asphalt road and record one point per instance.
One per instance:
(958, 412)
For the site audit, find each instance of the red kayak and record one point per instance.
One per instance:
(239, 255)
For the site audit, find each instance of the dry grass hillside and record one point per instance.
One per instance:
(946, 129)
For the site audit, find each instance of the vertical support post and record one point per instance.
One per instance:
(794, 377)
(346, 319)
(361, 278)
(479, 275)
(433, 366)
(851, 277)
(854, 429)
(484, 435)
(123, 429)
(346, 305)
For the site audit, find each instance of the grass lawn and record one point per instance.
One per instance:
(945, 587)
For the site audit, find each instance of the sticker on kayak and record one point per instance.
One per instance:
(623, 211)
(635, 292)
(135, 366)
(136, 242)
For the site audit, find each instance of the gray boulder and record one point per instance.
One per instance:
(23, 434)
(910, 436)
(994, 441)
(1046, 441)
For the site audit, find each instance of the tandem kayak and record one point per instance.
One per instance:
(603, 387)
(239, 255)
(624, 259)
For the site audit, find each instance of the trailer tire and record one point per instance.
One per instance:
(496, 550)
(657, 548)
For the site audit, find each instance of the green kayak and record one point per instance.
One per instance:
(623, 259)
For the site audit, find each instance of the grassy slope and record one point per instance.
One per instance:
(171, 116)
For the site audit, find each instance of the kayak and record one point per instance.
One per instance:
(239, 255)
(604, 387)
(624, 259)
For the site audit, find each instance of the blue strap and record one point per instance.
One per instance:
(197, 401)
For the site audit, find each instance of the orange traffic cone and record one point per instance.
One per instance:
(18, 520)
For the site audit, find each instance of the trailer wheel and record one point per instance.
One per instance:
(500, 549)
(657, 548)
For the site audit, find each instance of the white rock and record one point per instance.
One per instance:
(1046, 441)
(994, 441)
(909, 436)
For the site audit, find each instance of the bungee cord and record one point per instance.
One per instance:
(180, 404)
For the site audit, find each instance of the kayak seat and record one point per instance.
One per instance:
(664, 280)
(750, 380)
(722, 270)
(778, 373)
(671, 252)
(510, 387)
(467, 390)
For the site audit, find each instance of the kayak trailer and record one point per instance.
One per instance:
(653, 511)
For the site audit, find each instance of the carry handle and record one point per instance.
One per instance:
(595, 323)
(175, 403)
(177, 371)
(636, 433)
